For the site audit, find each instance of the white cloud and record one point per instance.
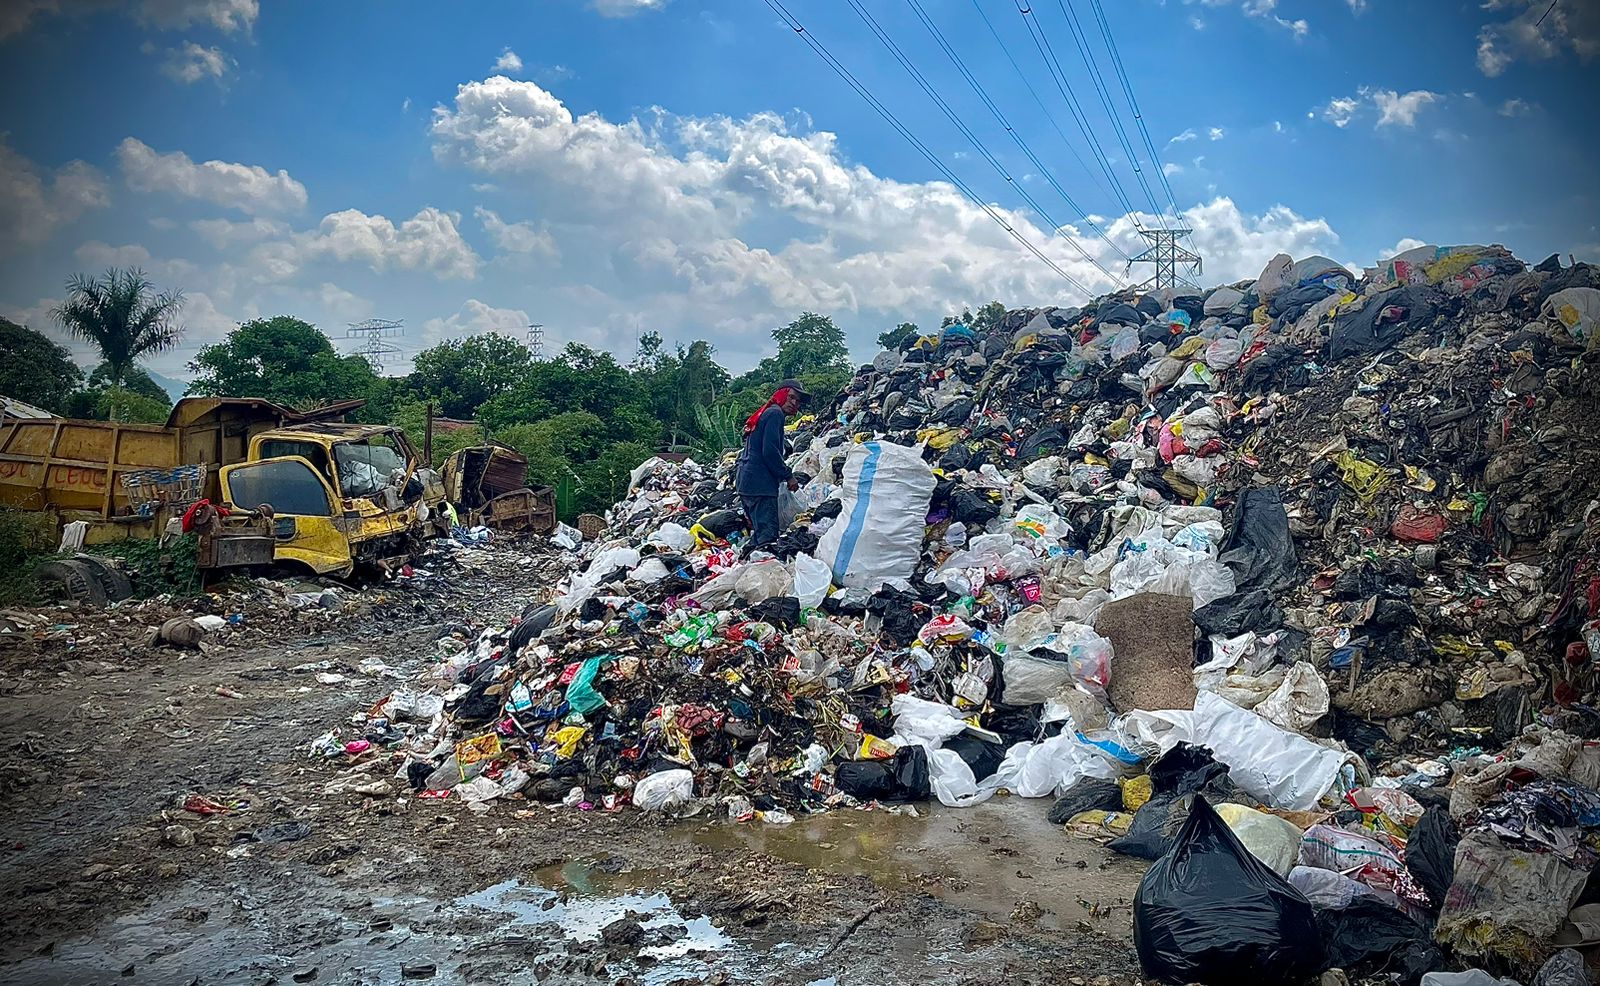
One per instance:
(249, 188)
(1538, 32)
(516, 237)
(193, 62)
(1267, 10)
(405, 105)
(1405, 243)
(429, 241)
(1516, 107)
(1197, 23)
(727, 224)
(1341, 110)
(625, 8)
(1171, 169)
(508, 62)
(35, 202)
(1357, 7)
(222, 234)
(1277, 126)
(1186, 135)
(1395, 109)
(1216, 133)
(341, 303)
(476, 318)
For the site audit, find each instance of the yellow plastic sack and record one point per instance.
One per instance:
(1189, 347)
(873, 748)
(1100, 824)
(1365, 479)
(1269, 838)
(1136, 791)
(1260, 316)
(566, 740)
(939, 439)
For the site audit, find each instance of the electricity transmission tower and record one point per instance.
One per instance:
(536, 340)
(372, 336)
(1165, 254)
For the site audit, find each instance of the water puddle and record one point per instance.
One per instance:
(998, 860)
(323, 934)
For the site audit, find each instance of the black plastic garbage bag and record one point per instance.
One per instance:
(1175, 777)
(1371, 939)
(1259, 548)
(982, 756)
(1431, 853)
(1233, 615)
(780, 611)
(971, 507)
(1210, 912)
(535, 620)
(1088, 794)
(724, 522)
(901, 778)
(1384, 320)
(1155, 825)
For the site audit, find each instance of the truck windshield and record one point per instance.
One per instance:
(290, 487)
(367, 467)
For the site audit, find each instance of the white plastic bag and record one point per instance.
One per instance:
(1275, 277)
(1578, 311)
(673, 537)
(812, 580)
(1032, 680)
(663, 789)
(1282, 769)
(1222, 300)
(649, 570)
(884, 498)
(759, 581)
(1299, 702)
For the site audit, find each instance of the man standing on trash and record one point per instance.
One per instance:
(761, 469)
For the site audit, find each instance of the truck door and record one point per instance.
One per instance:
(308, 522)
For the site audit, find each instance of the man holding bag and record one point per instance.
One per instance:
(761, 471)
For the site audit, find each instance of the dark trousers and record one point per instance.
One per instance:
(762, 512)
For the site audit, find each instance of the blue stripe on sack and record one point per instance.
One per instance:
(858, 515)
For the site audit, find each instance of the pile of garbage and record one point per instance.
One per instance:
(1304, 567)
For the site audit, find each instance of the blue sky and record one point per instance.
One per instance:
(608, 167)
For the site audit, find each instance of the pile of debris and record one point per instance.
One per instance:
(1317, 551)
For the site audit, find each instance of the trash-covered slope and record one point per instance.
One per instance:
(1320, 546)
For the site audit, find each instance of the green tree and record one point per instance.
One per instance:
(462, 374)
(282, 359)
(136, 381)
(988, 317)
(899, 335)
(123, 404)
(35, 370)
(811, 344)
(124, 317)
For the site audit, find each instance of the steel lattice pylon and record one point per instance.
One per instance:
(1166, 255)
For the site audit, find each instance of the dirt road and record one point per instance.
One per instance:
(111, 879)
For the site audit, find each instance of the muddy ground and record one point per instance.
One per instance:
(109, 879)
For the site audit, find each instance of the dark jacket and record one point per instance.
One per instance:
(761, 467)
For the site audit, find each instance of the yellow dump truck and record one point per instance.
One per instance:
(302, 489)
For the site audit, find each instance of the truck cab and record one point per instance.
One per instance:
(342, 497)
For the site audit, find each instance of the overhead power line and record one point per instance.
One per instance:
(977, 87)
(1133, 104)
(933, 159)
(1059, 77)
(1092, 67)
(994, 162)
(1028, 83)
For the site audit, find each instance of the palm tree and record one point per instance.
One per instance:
(123, 316)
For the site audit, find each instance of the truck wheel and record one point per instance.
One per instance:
(113, 580)
(71, 579)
